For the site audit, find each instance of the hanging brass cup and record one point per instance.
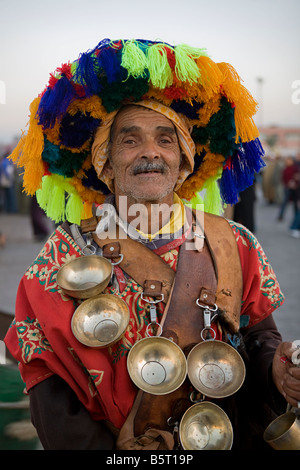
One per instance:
(284, 432)
(215, 369)
(100, 321)
(157, 365)
(205, 426)
(85, 276)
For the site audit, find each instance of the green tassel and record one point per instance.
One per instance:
(43, 194)
(133, 59)
(56, 205)
(74, 208)
(51, 196)
(160, 71)
(197, 202)
(186, 68)
(212, 198)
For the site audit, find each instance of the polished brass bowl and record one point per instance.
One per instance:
(100, 321)
(157, 365)
(85, 276)
(284, 432)
(205, 426)
(215, 369)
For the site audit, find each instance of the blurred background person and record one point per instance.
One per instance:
(7, 184)
(290, 180)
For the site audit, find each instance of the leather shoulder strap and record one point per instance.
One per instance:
(224, 251)
(140, 263)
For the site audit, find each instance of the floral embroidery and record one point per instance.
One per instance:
(31, 338)
(269, 286)
(56, 252)
(94, 376)
(170, 257)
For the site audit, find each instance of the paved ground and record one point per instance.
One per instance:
(282, 250)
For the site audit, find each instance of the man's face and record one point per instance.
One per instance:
(144, 156)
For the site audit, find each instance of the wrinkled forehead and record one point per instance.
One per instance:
(137, 118)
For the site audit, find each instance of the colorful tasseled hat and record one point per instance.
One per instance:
(56, 151)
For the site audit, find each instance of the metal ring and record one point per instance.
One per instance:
(118, 262)
(208, 329)
(152, 301)
(198, 235)
(91, 248)
(157, 334)
(206, 307)
(193, 398)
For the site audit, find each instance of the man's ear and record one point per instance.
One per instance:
(107, 170)
(182, 161)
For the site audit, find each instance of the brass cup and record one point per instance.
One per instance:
(284, 432)
(215, 369)
(205, 426)
(84, 277)
(100, 321)
(157, 365)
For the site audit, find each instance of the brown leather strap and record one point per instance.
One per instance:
(211, 273)
(140, 263)
(183, 324)
(212, 276)
(224, 251)
(151, 439)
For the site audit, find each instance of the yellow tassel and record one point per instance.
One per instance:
(87, 210)
(211, 165)
(16, 153)
(87, 195)
(209, 108)
(28, 153)
(92, 105)
(245, 104)
(211, 75)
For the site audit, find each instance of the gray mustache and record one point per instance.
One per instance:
(149, 166)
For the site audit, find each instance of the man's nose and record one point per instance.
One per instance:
(149, 150)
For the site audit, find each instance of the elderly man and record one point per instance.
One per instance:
(117, 135)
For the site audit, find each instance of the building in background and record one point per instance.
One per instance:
(280, 141)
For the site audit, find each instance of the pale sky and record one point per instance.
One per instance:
(260, 38)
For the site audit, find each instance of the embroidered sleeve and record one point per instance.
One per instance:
(38, 296)
(261, 290)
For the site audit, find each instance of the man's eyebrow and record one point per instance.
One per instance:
(128, 129)
(169, 130)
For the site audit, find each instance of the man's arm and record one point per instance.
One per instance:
(262, 341)
(62, 422)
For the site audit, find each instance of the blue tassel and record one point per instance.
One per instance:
(76, 130)
(238, 174)
(228, 187)
(109, 60)
(91, 180)
(189, 110)
(55, 101)
(87, 73)
(246, 162)
(253, 154)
